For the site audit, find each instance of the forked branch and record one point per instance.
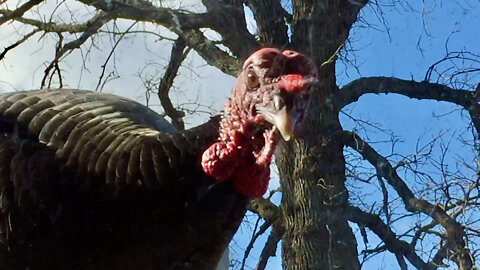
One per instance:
(454, 230)
(93, 26)
(188, 25)
(177, 56)
(19, 11)
(385, 233)
(265, 209)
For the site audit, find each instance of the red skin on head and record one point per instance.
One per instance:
(292, 82)
(243, 155)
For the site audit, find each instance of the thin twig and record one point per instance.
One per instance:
(14, 45)
(104, 66)
(255, 235)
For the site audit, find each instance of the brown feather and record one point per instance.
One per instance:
(102, 182)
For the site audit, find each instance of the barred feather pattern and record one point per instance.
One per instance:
(63, 151)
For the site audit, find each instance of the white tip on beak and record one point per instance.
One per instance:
(282, 119)
(284, 123)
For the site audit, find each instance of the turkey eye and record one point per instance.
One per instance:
(252, 80)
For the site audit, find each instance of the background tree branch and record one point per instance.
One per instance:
(384, 232)
(454, 230)
(211, 53)
(174, 20)
(92, 28)
(187, 25)
(19, 11)
(419, 90)
(226, 16)
(177, 56)
(271, 20)
(19, 42)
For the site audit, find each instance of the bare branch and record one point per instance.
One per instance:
(264, 208)
(454, 230)
(270, 17)
(58, 70)
(269, 249)
(99, 84)
(175, 20)
(14, 45)
(176, 58)
(271, 213)
(254, 238)
(228, 15)
(52, 26)
(95, 24)
(401, 261)
(383, 231)
(453, 68)
(187, 25)
(419, 90)
(442, 253)
(19, 11)
(422, 230)
(54, 65)
(211, 53)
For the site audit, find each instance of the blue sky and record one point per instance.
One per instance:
(415, 41)
(417, 37)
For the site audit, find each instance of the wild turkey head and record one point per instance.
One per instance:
(269, 101)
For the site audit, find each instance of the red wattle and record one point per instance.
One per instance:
(219, 161)
(224, 161)
(292, 82)
(252, 181)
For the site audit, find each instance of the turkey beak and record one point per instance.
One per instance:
(282, 117)
(285, 123)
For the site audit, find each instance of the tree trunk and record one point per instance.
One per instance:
(312, 167)
(317, 235)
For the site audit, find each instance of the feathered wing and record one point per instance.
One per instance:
(72, 162)
(102, 182)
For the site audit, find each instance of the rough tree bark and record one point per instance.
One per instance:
(312, 167)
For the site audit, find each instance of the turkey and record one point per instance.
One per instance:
(90, 180)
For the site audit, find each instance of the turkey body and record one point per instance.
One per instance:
(94, 181)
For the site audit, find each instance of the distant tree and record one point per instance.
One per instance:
(312, 220)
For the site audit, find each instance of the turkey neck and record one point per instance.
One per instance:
(246, 131)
